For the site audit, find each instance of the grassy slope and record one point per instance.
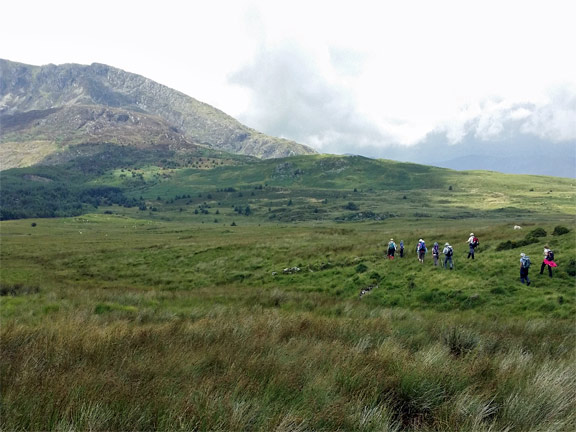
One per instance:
(321, 186)
(185, 326)
(167, 320)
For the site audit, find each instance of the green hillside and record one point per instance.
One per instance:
(317, 187)
(226, 293)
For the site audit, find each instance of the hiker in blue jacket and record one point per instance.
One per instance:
(421, 250)
(401, 248)
(524, 267)
(391, 249)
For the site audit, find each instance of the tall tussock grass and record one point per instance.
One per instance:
(265, 369)
(171, 327)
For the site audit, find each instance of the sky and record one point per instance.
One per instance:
(352, 76)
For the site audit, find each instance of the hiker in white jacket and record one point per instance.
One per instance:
(472, 242)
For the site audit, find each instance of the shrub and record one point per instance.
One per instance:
(17, 289)
(531, 237)
(538, 232)
(509, 244)
(361, 268)
(560, 230)
(571, 267)
(375, 276)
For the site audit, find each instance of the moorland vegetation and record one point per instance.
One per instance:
(227, 297)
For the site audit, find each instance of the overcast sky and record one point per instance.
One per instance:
(341, 76)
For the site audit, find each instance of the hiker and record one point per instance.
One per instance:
(391, 249)
(401, 248)
(473, 242)
(548, 261)
(421, 250)
(435, 253)
(524, 267)
(448, 252)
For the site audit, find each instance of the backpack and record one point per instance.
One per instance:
(475, 242)
(526, 262)
(435, 250)
(422, 246)
(550, 256)
(450, 251)
(391, 245)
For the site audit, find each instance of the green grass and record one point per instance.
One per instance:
(112, 322)
(178, 315)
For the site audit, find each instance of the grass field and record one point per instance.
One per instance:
(170, 320)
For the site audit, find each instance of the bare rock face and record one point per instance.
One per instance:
(72, 104)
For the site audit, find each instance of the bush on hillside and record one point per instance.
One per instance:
(571, 267)
(507, 245)
(560, 230)
(538, 232)
(531, 237)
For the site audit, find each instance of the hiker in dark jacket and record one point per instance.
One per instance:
(448, 252)
(548, 261)
(391, 249)
(435, 253)
(524, 267)
(401, 248)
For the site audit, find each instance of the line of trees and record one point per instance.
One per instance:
(57, 200)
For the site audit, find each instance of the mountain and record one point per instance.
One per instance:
(47, 110)
(515, 153)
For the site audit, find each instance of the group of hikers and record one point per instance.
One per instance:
(473, 243)
(525, 263)
(421, 251)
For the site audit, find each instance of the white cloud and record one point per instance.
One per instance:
(340, 76)
(556, 119)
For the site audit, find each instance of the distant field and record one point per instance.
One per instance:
(170, 320)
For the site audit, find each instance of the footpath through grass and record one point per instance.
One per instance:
(113, 323)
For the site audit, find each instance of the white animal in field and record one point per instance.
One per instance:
(517, 227)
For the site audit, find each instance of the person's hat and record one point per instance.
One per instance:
(522, 254)
(391, 239)
(420, 240)
(471, 233)
(447, 244)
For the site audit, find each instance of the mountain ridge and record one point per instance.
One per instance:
(26, 88)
